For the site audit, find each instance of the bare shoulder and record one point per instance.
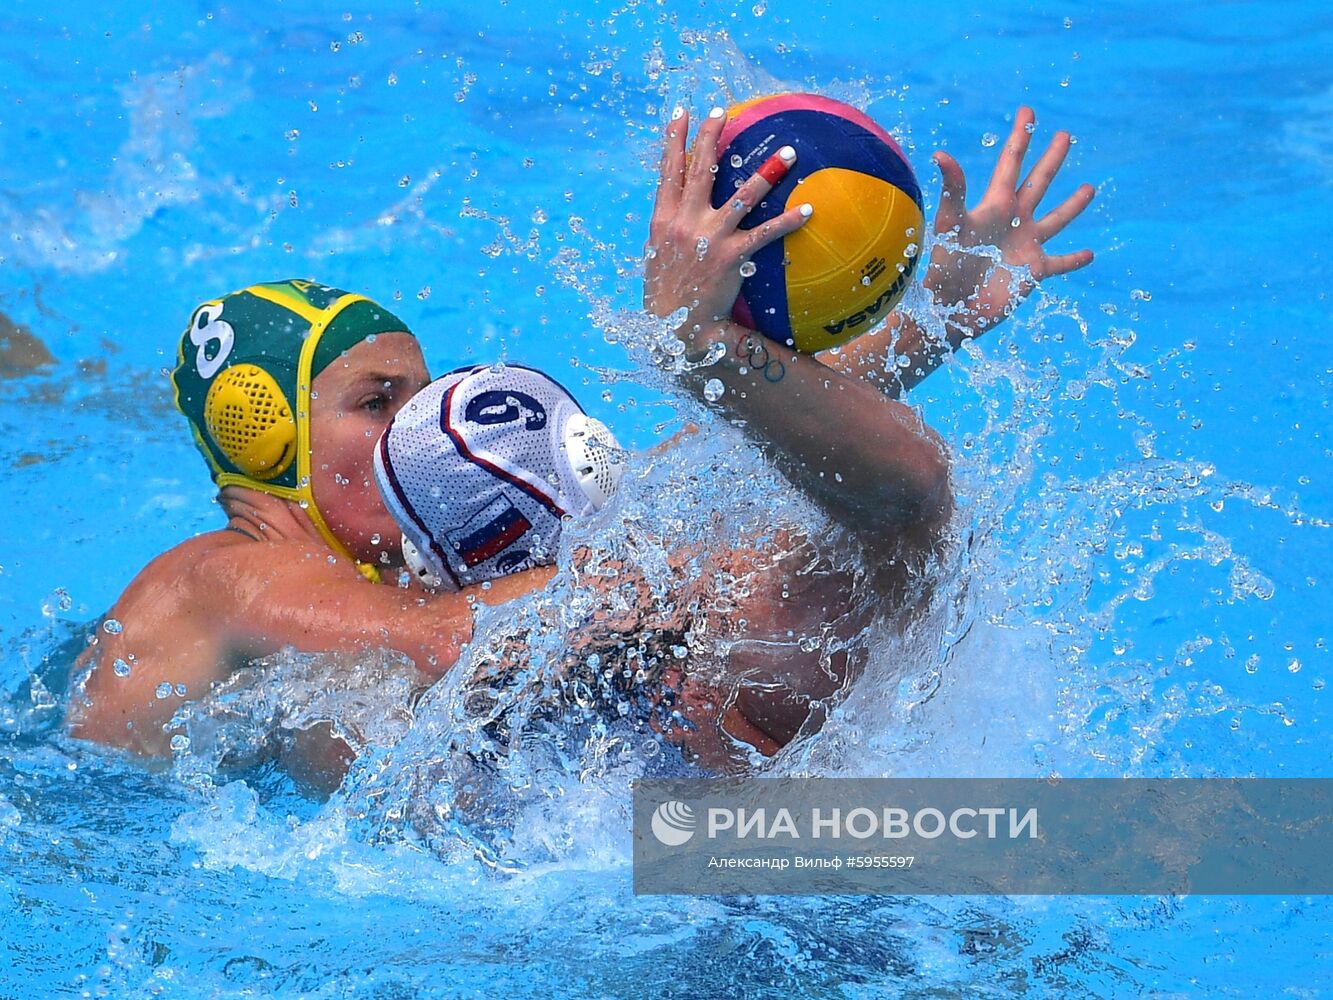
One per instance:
(209, 582)
(194, 558)
(202, 609)
(220, 600)
(167, 632)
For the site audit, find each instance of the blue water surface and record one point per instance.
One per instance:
(1142, 457)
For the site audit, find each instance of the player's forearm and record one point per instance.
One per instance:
(898, 356)
(867, 460)
(917, 355)
(434, 630)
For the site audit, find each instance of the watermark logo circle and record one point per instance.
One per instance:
(673, 823)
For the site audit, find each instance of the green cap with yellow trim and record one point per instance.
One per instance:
(243, 377)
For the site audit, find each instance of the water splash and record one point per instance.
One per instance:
(164, 161)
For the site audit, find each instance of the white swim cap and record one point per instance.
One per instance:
(481, 465)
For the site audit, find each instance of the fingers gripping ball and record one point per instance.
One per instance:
(841, 273)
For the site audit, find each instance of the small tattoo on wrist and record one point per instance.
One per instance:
(753, 353)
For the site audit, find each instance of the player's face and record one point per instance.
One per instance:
(352, 401)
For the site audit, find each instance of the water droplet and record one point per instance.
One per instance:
(1069, 22)
(1015, 222)
(677, 319)
(736, 160)
(539, 216)
(594, 661)
(424, 293)
(1141, 295)
(63, 601)
(865, 280)
(911, 250)
(1030, 127)
(989, 139)
(1294, 667)
(679, 652)
(1252, 664)
(121, 668)
(112, 627)
(713, 390)
(180, 743)
(748, 268)
(716, 352)
(701, 247)
(163, 691)
(180, 690)
(1064, 82)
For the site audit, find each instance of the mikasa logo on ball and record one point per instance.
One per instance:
(884, 302)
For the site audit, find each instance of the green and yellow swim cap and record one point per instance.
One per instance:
(243, 377)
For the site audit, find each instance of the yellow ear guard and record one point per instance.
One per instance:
(243, 377)
(251, 422)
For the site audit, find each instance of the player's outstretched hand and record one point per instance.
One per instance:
(978, 289)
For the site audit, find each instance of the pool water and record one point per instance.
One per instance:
(1141, 460)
